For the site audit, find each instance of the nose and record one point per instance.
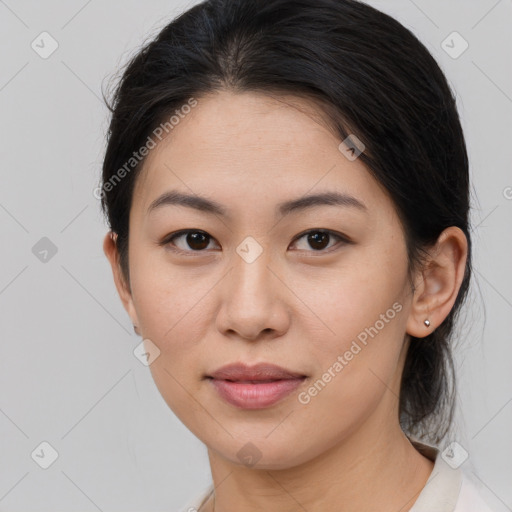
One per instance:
(253, 301)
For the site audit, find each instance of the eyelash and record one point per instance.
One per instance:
(168, 240)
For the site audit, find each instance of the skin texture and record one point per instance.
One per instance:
(294, 306)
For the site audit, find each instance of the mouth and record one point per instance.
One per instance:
(241, 372)
(254, 387)
(252, 381)
(255, 394)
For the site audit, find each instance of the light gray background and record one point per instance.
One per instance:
(68, 375)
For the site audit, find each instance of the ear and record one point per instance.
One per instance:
(112, 254)
(438, 282)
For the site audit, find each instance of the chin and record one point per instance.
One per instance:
(264, 454)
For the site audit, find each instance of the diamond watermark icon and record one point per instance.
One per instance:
(454, 45)
(249, 250)
(249, 454)
(146, 352)
(44, 455)
(454, 455)
(351, 147)
(44, 250)
(44, 45)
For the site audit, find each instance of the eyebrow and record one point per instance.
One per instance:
(210, 206)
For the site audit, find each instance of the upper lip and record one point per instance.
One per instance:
(260, 371)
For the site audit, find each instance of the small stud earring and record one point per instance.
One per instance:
(427, 323)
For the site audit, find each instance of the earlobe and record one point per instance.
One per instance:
(438, 283)
(112, 254)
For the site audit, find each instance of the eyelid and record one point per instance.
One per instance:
(340, 236)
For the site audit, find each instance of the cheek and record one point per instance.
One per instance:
(174, 314)
(170, 300)
(361, 293)
(358, 352)
(354, 375)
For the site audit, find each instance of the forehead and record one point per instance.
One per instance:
(249, 147)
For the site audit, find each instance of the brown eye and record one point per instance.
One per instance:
(188, 241)
(197, 241)
(319, 240)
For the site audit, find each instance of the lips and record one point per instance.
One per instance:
(254, 387)
(254, 374)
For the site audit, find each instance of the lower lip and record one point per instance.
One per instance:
(255, 396)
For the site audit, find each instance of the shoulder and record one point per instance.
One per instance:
(449, 488)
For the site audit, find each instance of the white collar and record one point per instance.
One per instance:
(442, 489)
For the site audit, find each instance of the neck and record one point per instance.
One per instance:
(369, 470)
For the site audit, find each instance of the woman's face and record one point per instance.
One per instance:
(258, 283)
